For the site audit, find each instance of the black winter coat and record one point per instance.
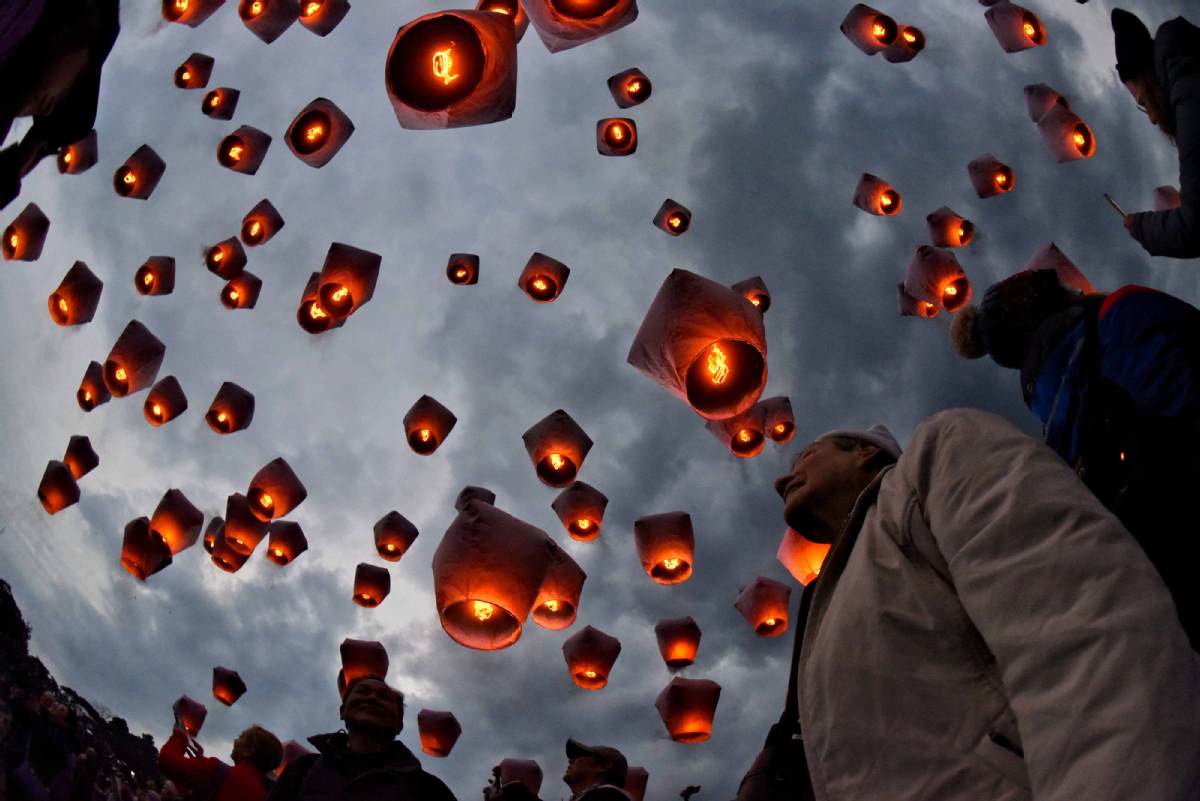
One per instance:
(335, 774)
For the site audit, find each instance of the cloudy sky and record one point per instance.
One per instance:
(762, 118)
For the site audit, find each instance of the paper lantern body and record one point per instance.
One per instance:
(241, 292)
(25, 236)
(311, 316)
(581, 507)
(616, 136)
(778, 420)
(156, 276)
(268, 19)
(1067, 136)
(363, 658)
(191, 713)
(590, 655)
(1167, 198)
(936, 279)
(189, 12)
(176, 521)
(226, 558)
(285, 542)
(525, 771)
(990, 176)
(687, 708)
(1040, 98)
(75, 300)
(322, 16)
(164, 402)
(133, 362)
(666, 546)
(876, 196)
(678, 641)
(275, 490)
(372, 584)
(909, 43)
(1051, 258)
(754, 290)
(636, 779)
(462, 269)
(704, 343)
(427, 424)
(394, 535)
(673, 218)
(348, 279)
(243, 531)
(563, 24)
(744, 434)
(802, 557)
(228, 686)
(318, 132)
(630, 88)
(57, 489)
(226, 259)
(557, 447)
(470, 493)
(260, 224)
(558, 599)
(194, 72)
(214, 532)
(92, 392)
(439, 732)
(512, 10)
(244, 150)
(231, 410)
(949, 229)
(543, 278)
(1014, 27)
(220, 103)
(142, 553)
(80, 458)
(140, 174)
(869, 30)
(764, 604)
(79, 156)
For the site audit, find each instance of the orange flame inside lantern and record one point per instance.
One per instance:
(121, 374)
(278, 553)
(215, 100)
(671, 564)
(235, 152)
(63, 305)
(255, 8)
(482, 610)
(266, 501)
(185, 76)
(316, 312)
(675, 221)
(542, 288)
(443, 66)
(14, 242)
(391, 547)
(424, 434)
(551, 605)
(222, 417)
(340, 294)
(1030, 29)
(616, 134)
(314, 133)
(68, 156)
(583, 524)
(129, 178)
(718, 364)
(557, 461)
(181, 5)
(460, 274)
(156, 411)
(87, 395)
(910, 37)
(148, 278)
(310, 8)
(1081, 137)
(253, 231)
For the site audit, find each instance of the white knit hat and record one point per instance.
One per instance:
(877, 435)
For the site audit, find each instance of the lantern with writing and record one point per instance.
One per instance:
(908, 44)
(81, 458)
(427, 424)
(487, 572)
(1040, 98)
(243, 530)
(704, 343)
(949, 229)
(876, 196)
(25, 236)
(241, 292)
(189, 12)
(142, 553)
(678, 641)
(311, 316)
(363, 659)
(75, 300)
(616, 136)
(194, 72)
(764, 604)
(673, 218)
(511, 9)
(318, 132)
(243, 150)
(228, 686)
(164, 402)
(133, 362)
(1167, 198)
(439, 732)
(778, 420)
(268, 19)
(260, 224)
(666, 546)
(687, 708)
(580, 507)
(231, 410)
(1067, 136)
(1051, 258)
(802, 557)
(1015, 28)
(371, 585)
(590, 655)
(558, 599)
(275, 490)
(471, 493)
(225, 557)
(563, 24)
(394, 535)
(214, 532)
(636, 779)
(191, 714)
(990, 176)
(463, 269)
(92, 392)
(285, 542)
(79, 156)
(322, 16)
(140, 174)
(220, 103)
(176, 521)
(57, 489)
(348, 279)
(630, 88)
(744, 434)
(754, 290)
(543, 278)
(869, 30)
(525, 771)
(557, 447)
(451, 69)
(935, 282)
(156, 276)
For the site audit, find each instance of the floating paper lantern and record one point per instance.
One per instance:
(802, 557)
(371, 585)
(243, 531)
(678, 641)
(470, 493)
(286, 541)
(949, 229)
(1051, 258)
(241, 292)
(268, 19)
(394, 535)
(1068, 137)
(363, 659)
(318, 132)
(666, 546)
(427, 424)
(512, 9)
(581, 507)
(754, 290)
(194, 72)
(1014, 27)
(176, 521)
(348, 279)
(133, 362)
(79, 156)
(164, 402)
(260, 224)
(57, 489)
(311, 316)
(705, 343)
(935, 282)
(563, 24)
(26, 235)
(909, 43)
(487, 571)
(990, 176)
(630, 88)
(543, 278)
(228, 686)
(764, 604)
(1167, 198)
(225, 557)
(439, 732)
(220, 103)
(558, 599)
(92, 392)
(81, 457)
(636, 779)
(292, 751)
(451, 69)
(214, 533)
(778, 420)
(744, 434)
(557, 447)
(876, 196)
(869, 30)
(156, 276)
(590, 655)
(140, 174)
(673, 218)
(243, 150)
(275, 490)
(1040, 98)
(189, 12)
(525, 771)
(231, 410)
(463, 269)
(616, 136)
(322, 16)
(191, 714)
(75, 300)
(687, 708)
(142, 553)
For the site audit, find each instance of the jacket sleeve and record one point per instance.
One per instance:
(192, 772)
(1096, 665)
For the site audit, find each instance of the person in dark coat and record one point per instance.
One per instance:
(1163, 75)
(365, 762)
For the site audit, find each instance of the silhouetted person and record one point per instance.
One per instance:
(687, 792)
(256, 752)
(595, 772)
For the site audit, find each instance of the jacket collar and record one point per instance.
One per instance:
(335, 746)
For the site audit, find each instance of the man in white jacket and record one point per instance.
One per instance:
(983, 628)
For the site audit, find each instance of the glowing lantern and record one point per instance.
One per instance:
(25, 236)
(1040, 98)
(1067, 136)
(1167, 198)
(142, 553)
(140, 174)
(92, 392)
(451, 69)
(228, 686)
(487, 571)
(935, 281)
(907, 45)
(133, 362)
(286, 541)
(687, 708)
(322, 16)
(214, 532)
(231, 410)
(558, 599)
(191, 714)
(164, 402)
(348, 279)
(949, 229)
(427, 424)
(79, 156)
(1014, 27)
(744, 434)
(636, 779)
(754, 290)
(225, 557)
(241, 292)
(57, 489)
(318, 132)
(543, 278)
(590, 655)
(470, 493)
(666, 546)
(292, 751)
(81, 457)
(260, 223)
(876, 196)
(363, 658)
(563, 24)
(156, 276)
(243, 531)
(463, 269)
(990, 176)
(557, 447)
(525, 771)
(510, 9)
(630, 88)
(616, 136)
(194, 72)
(580, 507)
(267, 19)
(176, 521)
(311, 316)
(704, 343)
(678, 641)
(673, 218)
(778, 420)
(394, 535)
(802, 557)
(764, 604)
(75, 300)
(220, 103)
(869, 30)
(189, 12)
(243, 150)
(275, 490)
(1051, 258)
(371, 585)
(439, 732)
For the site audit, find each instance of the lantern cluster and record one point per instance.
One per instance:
(563, 24)
(346, 282)
(872, 32)
(935, 282)
(25, 236)
(142, 553)
(745, 434)
(58, 488)
(79, 156)
(75, 299)
(1016, 28)
(1066, 135)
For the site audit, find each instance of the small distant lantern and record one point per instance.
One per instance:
(487, 571)
(1014, 27)
(666, 546)
(990, 176)
(194, 72)
(439, 732)
(220, 103)
(231, 410)
(1040, 98)
(935, 282)
(176, 521)
(363, 658)
(243, 150)
(869, 30)
(79, 156)
(1067, 136)
(81, 458)
(311, 316)
(164, 402)
(451, 69)
(243, 531)
(743, 434)
(92, 392)
(142, 553)
(673, 218)
(225, 557)
(57, 489)
(558, 599)
(189, 12)
(214, 532)
(702, 342)
(581, 507)
(156, 276)
(543, 278)
(636, 779)
(318, 132)
(949, 229)
(630, 88)
(801, 556)
(241, 292)
(133, 362)
(909, 43)
(228, 686)
(26, 235)
(778, 420)
(754, 290)
(1069, 275)
(876, 196)
(275, 490)
(292, 751)
(463, 269)
(348, 279)
(470, 493)
(191, 714)
(525, 771)
(687, 708)
(322, 16)
(590, 655)
(678, 641)
(394, 535)
(563, 24)
(260, 224)
(140, 174)
(557, 447)
(616, 136)
(75, 300)
(285, 542)
(1167, 198)
(764, 604)
(371, 585)
(268, 19)
(511, 9)
(427, 424)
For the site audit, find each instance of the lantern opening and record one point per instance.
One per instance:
(769, 626)
(637, 89)
(144, 280)
(60, 309)
(262, 505)
(230, 297)
(459, 275)
(1003, 178)
(914, 39)
(955, 294)
(182, 76)
(125, 181)
(618, 136)
(1031, 26)
(556, 469)
(313, 318)
(584, 529)
(253, 231)
(310, 9)
(438, 62)
(480, 624)
(221, 420)
(116, 377)
(722, 373)
(554, 610)
(311, 132)
(423, 440)
(541, 287)
(251, 10)
(589, 678)
(232, 151)
(889, 201)
(746, 441)
(12, 242)
(782, 431)
(583, 9)
(336, 298)
(696, 731)
(65, 158)
(1082, 139)
(678, 222)
(965, 232)
(506, 7)
(278, 556)
(176, 9)
(671, 570)
(884, 29)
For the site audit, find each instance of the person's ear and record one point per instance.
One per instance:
(865, 453)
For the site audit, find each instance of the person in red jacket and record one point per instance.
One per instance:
(256, 752)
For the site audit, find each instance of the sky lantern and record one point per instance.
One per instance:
(510, 9)
(563, 24)
(140, 174)
(1050, 257)
(949, 229)
(743, 434)
(471, 493)
(268, 19)
(225, 557)
(935, 282)
(79, 156)
(75, 300)
(910, 41)
(363, 658)
(990, 176)
(81, 458)
(755, 290)
(241, 292)
(176, 521)
(558, 599)
(394, 535)
(243, 531)
(451, 69)
(322, 16)
(156, 276)
(427, 423)
(778, 420)
(630, 88)
(191, 714)
(764, 604)
(439, 732)
(348, 279)
(487, 572)
(220, 103)
(133, 362)
(371, 585)
(876, 196)
(194, 72)
(231, 410)
(1167, 198)
(802, 557)
(525, 771)
(1014, 27)
(557, 447)
(92, 392)
(704, 343)
(687, 708)
(636, 779)
(1040, 98)
(318, 132)
(214, 532)
(57, 489)
(189, 12)
(616, 136)
(462, 269)
(673, 218)
(1067, 136)
(260, 224)
(590, 655)
(228, 686)
(142, 553)
(581, 507)
(311, 316)
(25, 236)
(275, 490)
(164, 402)
(285, 542)
(678, 641)
(543, 278)
(243, 150)
(666, 546)
(869, 30)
